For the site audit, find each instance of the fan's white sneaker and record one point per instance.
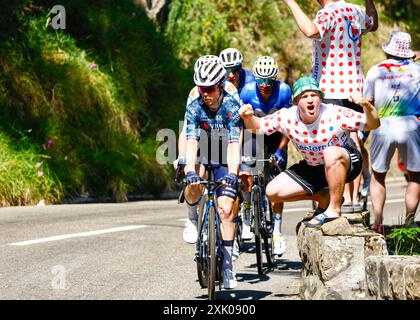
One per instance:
(190, 233)
(279, 245)
(229, 279)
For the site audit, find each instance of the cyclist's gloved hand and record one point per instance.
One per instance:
(231, 179)
(280, 157)
(192, 177)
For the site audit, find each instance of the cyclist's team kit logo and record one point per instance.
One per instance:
(400, 65)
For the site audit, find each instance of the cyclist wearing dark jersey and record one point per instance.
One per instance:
(213, 119)
(232, 60)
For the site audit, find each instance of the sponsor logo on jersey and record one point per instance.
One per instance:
(353, 30)
(400, 66)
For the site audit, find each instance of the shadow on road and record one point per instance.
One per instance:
(239, 295)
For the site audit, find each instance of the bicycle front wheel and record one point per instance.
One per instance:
(212, 258)
(202, 245)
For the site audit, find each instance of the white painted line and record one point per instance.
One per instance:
(77, 235)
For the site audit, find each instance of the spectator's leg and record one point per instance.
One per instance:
(378, 195)
(337, 162)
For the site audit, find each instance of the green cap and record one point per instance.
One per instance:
(305, 84)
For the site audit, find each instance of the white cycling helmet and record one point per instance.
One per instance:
(203, 59)
(265, 67)
(209, 74)
(231, 57)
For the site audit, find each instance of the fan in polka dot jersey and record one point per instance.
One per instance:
(337, 32)
(321, 134)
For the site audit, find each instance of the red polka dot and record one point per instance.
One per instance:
(332, 64)
(311, 153)
(358, 71)
(279, 119)
(350, 72)
(341, 37)
(297, 132)
(341, 73)
(333, 81)
(323, 46)
(341, 81)
(341, 55)
(350, 54)
(315, 141)
(324, 140)
(323, 89)
(323, 28)
(359, 44)
(332, 47)
(332, 73)
(314, 131)
(324, 72)
(297, 140)
(323, 80)
(269, 131)
(306, 140)
(339, 109)
(332, 38)
(359, 116)
(341, 90)
(322, 121)
(357, 63)
(340, 20)
(350, 63)
(350, 81)
(289, 121)
(338, 117)
(323, 131)
(314, 159)
(340, 64)
(349, 45)
(324, 54)
(357, 124)
(332, 55)
(358, 53)
(296, 123)
(305, 133)
(341, 28)
(324, 63)
(351, 89)
(266, 124)
(344, 125)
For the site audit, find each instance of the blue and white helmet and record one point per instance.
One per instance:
(231, 57)
(203, 59)
(209, 74)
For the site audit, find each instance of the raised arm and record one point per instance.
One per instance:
(371, 12)
(305, 24)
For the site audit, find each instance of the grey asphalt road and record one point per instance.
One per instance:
(132, 250)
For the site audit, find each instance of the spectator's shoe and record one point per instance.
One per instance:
(357, 208)
(247, 234)
(229, 279)
(279, 245)
(235, 252)
(347, 208)
(190, 233)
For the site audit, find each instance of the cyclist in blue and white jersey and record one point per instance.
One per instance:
(232, 60)
(215, 114)
(190, 230)
(266, 95)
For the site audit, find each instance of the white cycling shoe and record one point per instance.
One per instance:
(279, 245)
(229, 279)
(246, 234)
(190, 233)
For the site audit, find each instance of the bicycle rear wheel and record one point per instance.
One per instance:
(262, 247)
(212, 258)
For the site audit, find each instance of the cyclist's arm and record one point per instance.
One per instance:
(182, 141)
(233, 157)
(305, 24)
(283, 142)
(191, 154)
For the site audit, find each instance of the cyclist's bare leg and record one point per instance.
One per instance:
(412, 195)
(337, 162)
(225, 206)
(378, 195)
